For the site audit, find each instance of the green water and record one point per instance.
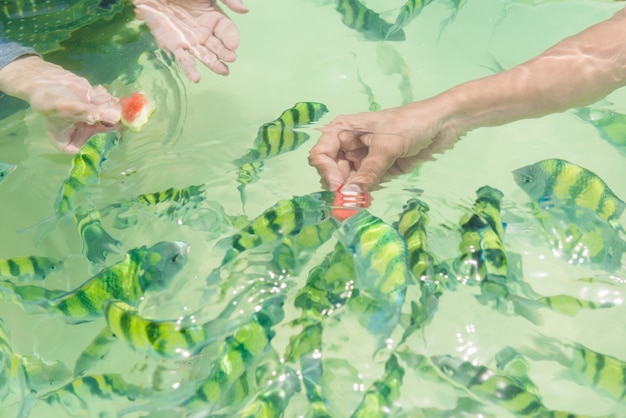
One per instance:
(296, 50)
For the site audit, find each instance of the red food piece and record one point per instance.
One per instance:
(341, 211)
(132, 106)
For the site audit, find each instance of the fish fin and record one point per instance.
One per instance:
(41, 223)
(527, 308)
(242, 196)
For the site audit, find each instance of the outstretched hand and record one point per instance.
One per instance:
(74, 110)
(365, 149)
(193, 28)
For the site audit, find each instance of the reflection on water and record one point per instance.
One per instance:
(282, 310)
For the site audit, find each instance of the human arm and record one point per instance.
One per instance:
(193, 28)
(74, 110)
(367, 148)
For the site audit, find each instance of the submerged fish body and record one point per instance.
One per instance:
(610, 125)
(384, 392)
(238, 354)
(286, 217)
(496, 387)
(98, 244)
(604, 373)
(85, 169)
(169, 339)
(408, 12)
(381, 268)
(570, 184)
(357, 16)
(277, 137)
(30, 267)
(142, 268)
(78, 396)
(5, 170)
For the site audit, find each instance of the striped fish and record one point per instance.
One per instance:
(367, 22)
(286, 217)
(604, 373)
(97, 350)
(170, 339)
(6, 355)
(29, 267)
(142, 268)
(5, 170)
(277, 137)
(80, 396)
(496, 387)
(609, 124)
(570, 184)
(409, 11)
(85, 169)
(379, 398)
(98, 244)
(273, 401)
(178, 200)
(381, 267)
(237, 356)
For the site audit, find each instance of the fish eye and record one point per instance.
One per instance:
(527, 179)
(177, 259)
(447, 370)
(2, 174)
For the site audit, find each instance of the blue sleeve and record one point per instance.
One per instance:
(10, 50)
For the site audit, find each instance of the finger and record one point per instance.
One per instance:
(380, 158)
(325, 157)
(227, 34)
(216, 47)
(236, 6)
(188, 64)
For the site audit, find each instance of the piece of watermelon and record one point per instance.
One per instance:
(136, 110)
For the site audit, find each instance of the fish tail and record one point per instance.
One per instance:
(242, 196)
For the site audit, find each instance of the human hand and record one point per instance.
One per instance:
(74, 110)
(365, 149)
(193, 28)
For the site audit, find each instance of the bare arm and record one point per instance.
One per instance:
(367, 148)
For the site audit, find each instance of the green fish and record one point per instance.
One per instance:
(409, 11)
(381, 267)
(604, 373)
(6, 356)
(169, 339)
(286, 217)
(579, 236)
(5, 170)
(97, 350)
(179, 199)
(238, 354)
(610, 125)
(277, 137)
(379, 399)
(570, 184)
(570, 306)
(79, 396)
(496, 387)
(142, 268)
(273, 401)
(29, 267)
(98, 244)
(369, 23)
(85, 169)
(374, 106)
(391, 62)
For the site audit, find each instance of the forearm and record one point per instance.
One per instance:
(9, 52)
(577, 71)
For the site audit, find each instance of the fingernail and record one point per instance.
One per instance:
(351, 189)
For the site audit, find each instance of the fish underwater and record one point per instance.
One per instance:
(610, 125)
(141, 269)
(277, 137)
(85, 169)
(579, 213)
(571, 184)
(32, 267)
(357, 16)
